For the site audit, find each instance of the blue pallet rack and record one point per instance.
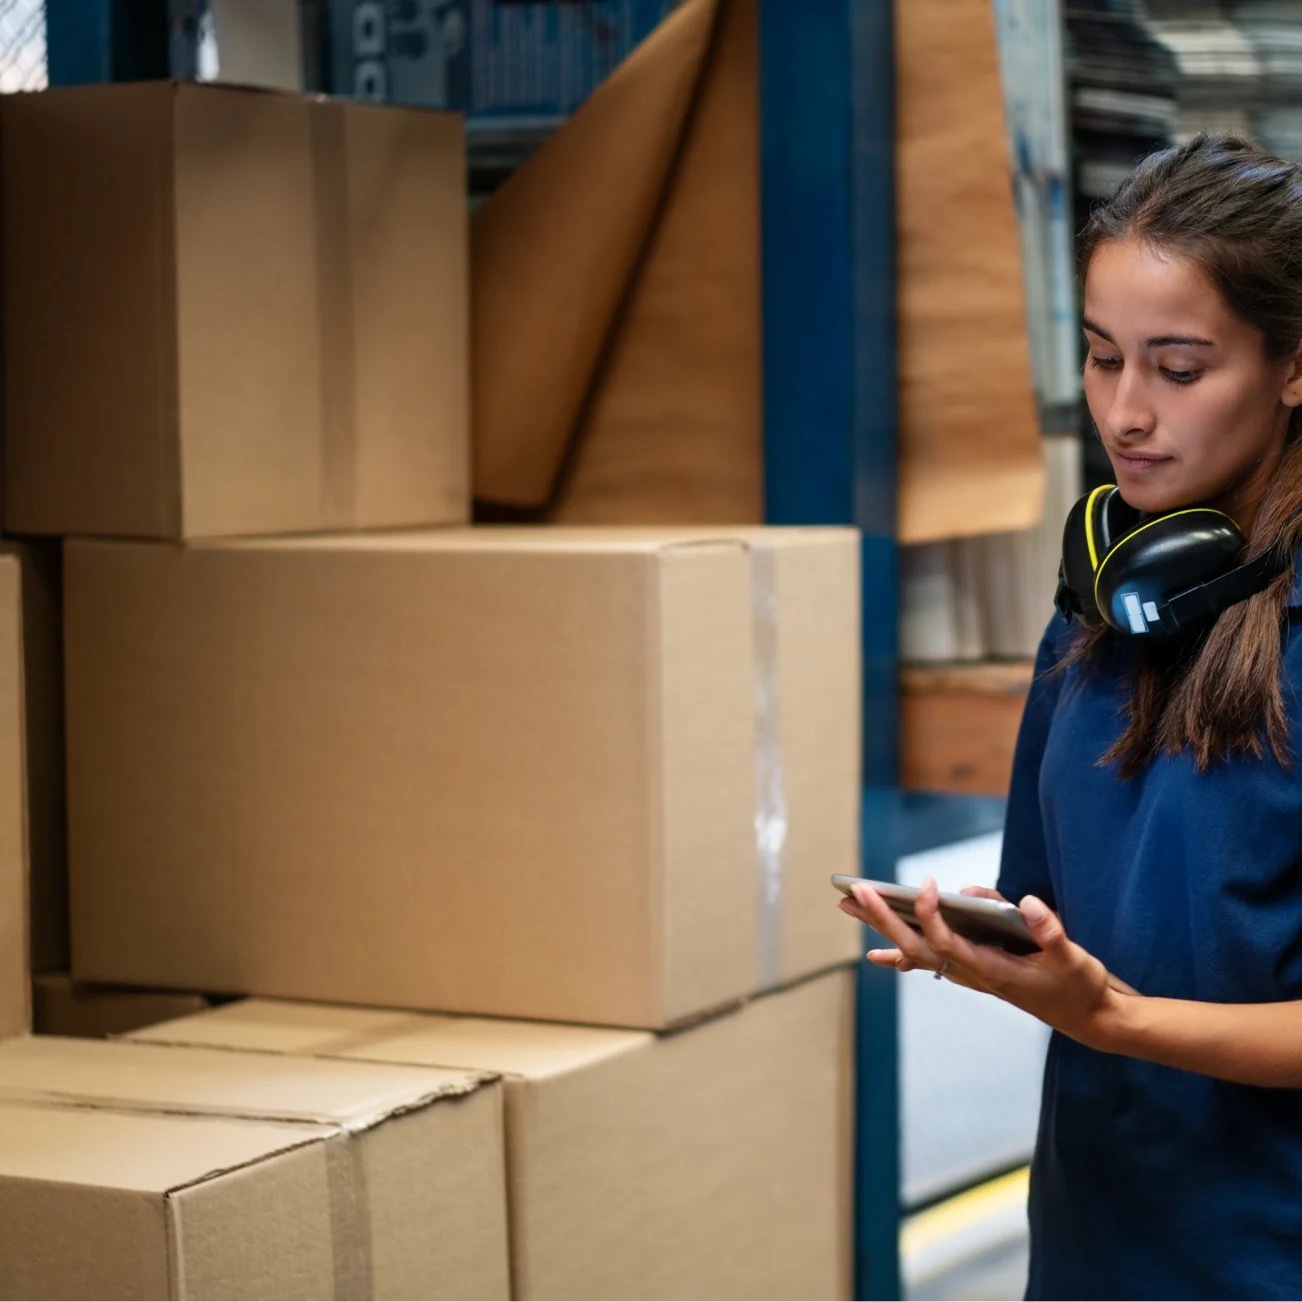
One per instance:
(828, 258)
(827, 154)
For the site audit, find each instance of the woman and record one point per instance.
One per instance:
(1154, 831)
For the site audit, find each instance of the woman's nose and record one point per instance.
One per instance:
(1129, 412)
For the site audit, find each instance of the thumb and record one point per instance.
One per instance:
(1043, 923)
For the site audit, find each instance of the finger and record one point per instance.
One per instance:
(1046, 928)
(886, 958)
(869, 918)
(880, 917)
(983, 893)
(940, 936)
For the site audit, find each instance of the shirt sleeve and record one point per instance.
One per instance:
(1024, 864)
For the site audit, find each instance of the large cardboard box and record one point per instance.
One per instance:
(712, 1162)
(582, 776)
(15, 1001)
(62, 1006)
(264, 1176)
(231, 312)
(47, 816)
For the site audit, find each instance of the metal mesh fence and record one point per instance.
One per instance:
(22, 45)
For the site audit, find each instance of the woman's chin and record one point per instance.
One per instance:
(1150, 501)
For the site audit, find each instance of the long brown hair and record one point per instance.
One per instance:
(1235, 211)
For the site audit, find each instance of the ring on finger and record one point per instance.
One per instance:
(941, 970)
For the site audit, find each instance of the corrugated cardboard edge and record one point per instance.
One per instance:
(55, 1098)
(45, 766)
(19, 956)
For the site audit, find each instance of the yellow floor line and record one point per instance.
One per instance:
(958, 1213)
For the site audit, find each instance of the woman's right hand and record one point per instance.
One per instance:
(988, 893)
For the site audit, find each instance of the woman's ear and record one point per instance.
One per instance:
(1291, 396)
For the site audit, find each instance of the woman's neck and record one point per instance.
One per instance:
(1242, 500)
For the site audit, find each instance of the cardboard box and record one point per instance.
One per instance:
(114, 1205)
(47, 815)
(15, 1002)
(263, 1176)
(61, 1006)
(575, 775)
(262, 330)
(712, 1162)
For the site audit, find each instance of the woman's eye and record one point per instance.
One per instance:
(1180, 377)
(1105, 363)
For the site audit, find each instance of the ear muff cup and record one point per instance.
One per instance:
(1093, 526)
(1158, 560)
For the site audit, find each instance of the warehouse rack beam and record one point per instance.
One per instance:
(828, 212)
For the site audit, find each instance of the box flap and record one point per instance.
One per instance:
(534, 1050)
(216, 1082)
(279, 1026)
(512, 1048)
(149, 1154)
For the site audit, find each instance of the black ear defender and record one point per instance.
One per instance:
(1156, 576)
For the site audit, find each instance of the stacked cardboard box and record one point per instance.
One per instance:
(133, 1171)
(583, 776)
(62, 1006)
(707, 1163)
(578, 776)
(263, 330)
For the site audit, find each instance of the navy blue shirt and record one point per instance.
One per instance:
(1150, 1182)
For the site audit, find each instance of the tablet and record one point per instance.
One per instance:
(984, 922)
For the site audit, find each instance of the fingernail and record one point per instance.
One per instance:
(928, 883)
(1033, 910)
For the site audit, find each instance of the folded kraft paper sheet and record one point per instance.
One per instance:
(616, 292)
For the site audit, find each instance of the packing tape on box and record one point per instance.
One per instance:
(337, 352)
(770, 788)
(350, 1222)
(352, 1251)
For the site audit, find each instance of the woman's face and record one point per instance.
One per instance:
(1189, 407)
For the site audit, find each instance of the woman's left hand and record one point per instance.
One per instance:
(1062, 985)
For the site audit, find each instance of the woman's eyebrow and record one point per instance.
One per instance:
(1157, 341)
(1165, 341)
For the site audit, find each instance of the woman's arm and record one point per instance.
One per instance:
(1070, 990)
(1251, 1044)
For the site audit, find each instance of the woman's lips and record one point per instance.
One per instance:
(1139, 462)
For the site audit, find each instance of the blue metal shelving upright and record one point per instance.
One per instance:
(827, 154)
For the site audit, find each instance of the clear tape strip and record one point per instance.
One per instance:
(770, 788)
(335, 307)
(350, 1223)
